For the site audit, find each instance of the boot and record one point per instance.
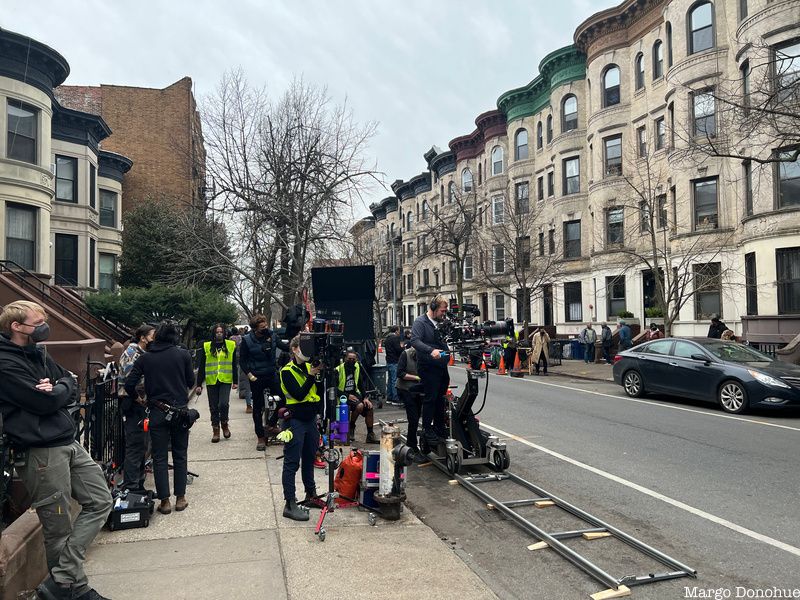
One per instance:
(165, 507)
(181, 503)
(215, 434)
(261, 445)
(294, 512)
(371, 439)
(352, 433)
(225, 431)
(91, 594)
(50, 590)
(311, 500)
(249, 409)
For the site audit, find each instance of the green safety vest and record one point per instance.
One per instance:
(219, 367)
(300, 374)
(343, 377)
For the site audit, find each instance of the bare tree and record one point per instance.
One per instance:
(683, 254)
(449, 231)
(284, 174)
(753, 115)
(511, 262)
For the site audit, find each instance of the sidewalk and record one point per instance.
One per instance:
(233, 542)
(581, 370)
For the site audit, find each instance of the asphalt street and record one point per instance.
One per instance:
(716, 492)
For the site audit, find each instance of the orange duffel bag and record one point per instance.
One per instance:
(348, 475)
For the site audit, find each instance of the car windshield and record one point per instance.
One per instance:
(734, 352)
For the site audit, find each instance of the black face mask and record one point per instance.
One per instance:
(219, 337)
(40, 333)
(263, 333)
(350, 363)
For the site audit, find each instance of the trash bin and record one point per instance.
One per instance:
(378, 375)
(576, 349)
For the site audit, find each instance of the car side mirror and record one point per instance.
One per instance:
(701, 357)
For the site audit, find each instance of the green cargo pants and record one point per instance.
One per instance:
(52, 476)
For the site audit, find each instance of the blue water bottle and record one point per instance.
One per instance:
(343, 417)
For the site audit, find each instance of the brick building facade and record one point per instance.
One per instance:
(159, 129)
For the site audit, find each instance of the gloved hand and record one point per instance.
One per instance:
(285, 436)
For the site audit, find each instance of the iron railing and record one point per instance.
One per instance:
(65, 301)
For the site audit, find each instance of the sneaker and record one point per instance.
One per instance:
(319, 464)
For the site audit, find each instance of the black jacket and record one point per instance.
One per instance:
(167, 371)
(425, 337)
(715, 329)
(393, 349)
(34, 419)
(257, 355)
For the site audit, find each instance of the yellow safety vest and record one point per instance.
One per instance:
(218, 366)
(343, 376)
(300, 374)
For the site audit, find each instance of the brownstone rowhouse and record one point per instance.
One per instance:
(159, 129)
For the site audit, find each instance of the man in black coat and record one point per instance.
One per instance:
(432, 359)
(37, 399)
(716, 328)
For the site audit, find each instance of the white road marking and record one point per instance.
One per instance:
(659, 404)
(653, 494)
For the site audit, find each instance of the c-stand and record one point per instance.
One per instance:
(332, 456)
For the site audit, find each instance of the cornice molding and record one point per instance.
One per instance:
(491, 123)
(613, 20)
(26, 60)
(557, 68)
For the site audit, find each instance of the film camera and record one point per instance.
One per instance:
(466, 335)
(324, 344)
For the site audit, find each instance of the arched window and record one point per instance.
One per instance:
(466, 180)
(569, 112)
(668, 30)
(658, 60)
(701, 27)
(441, 194)
(480, 173)
(497, 160)
(549, 128)
(521, 145)
(539, 139)
(451, 192)
(424, 214)
(611, 86)
(410, 221)
(639, 71)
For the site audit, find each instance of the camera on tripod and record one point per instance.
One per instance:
(324, 344)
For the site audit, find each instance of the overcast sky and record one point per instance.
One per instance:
(423, 70)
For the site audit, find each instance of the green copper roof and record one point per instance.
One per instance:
(559, 67)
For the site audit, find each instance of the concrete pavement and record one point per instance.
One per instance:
(233, 542)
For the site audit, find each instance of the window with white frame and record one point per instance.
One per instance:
(704, 192)
(522, 199)
(572, 175)
(704, 111)
(497, 160)
(499, 307)
(658, 60)
(521, 144)
(787, 72)
(23, 131)
(466, 180)
(788, 177)
(570, 111)
(498, 259)
(573, 302)
(611, 89)
(701, 27)
(498, 210)
(639, 71)
(468, 267)
(21, 226)
(615, 226)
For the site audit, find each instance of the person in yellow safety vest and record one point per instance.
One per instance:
(509, 351)
(350, 383)
(218, 367)
(303, 394)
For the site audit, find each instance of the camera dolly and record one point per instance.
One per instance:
(466, 442)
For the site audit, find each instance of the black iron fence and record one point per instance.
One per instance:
(100, 426)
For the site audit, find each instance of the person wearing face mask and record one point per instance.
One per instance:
(258, 354)
(350, 383)
(35, 400)
(134, 411)
(432, 358)
(218, 367)
(303, 400)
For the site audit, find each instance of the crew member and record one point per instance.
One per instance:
(429, 342)
(134, 411)
(218, 367)
(35, 401)
(411, 391)
(393, 347)
(350, 383)
(298, 381)
(258, 355)
(717, 327)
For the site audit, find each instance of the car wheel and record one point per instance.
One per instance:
(633, 384)
(732, 397)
